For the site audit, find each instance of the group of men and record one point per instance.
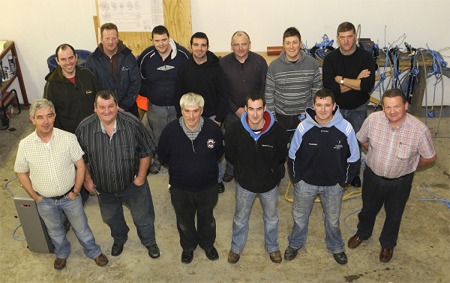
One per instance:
(191, 96)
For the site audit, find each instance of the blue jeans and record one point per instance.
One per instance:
(51, 211)
(244, 203)
(330, 198)
(139, 200)
(355, 116)
(158, 117)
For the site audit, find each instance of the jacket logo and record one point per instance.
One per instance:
(339, 145)
(125, 68)
(165, 68)
(210, 143)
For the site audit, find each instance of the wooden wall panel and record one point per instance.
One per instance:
(177, 19)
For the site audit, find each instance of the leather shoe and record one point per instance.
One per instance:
(227, 178)
(101, 260)
(340, 258)
(59, 263)
(187, 257)
(212, 254)
(233, 257)
(386, 254)
(117, 249)
(220, 187)
(275, 257)
(354, 241)
(153, 251)
(290, 253)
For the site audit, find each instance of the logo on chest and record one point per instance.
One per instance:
(338, 145)
(210, 143)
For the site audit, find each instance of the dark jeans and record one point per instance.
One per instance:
(393, 194)
(139, 200)
(229, 120)
(186, 205)
(356, 118)
(290, 123)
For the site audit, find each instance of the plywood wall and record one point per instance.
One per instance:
(177, 19)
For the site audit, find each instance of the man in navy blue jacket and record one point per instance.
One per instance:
(159, 65)
(191, 146)
(323, 159)
(256, 146)
(115, 67)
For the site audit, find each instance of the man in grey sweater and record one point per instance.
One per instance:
(292, 80)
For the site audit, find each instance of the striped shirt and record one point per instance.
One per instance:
(395, 153)
(50, 165)
(113, 162)
(290, 87)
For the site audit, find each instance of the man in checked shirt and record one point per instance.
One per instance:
(397, 144)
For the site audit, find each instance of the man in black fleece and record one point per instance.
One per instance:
(202, 74)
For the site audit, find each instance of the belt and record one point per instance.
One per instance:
(393, 179)
(60, 197)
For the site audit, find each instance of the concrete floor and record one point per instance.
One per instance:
(422, 254)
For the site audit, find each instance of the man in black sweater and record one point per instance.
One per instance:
(191, 146)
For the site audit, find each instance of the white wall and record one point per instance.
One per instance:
(38, 27)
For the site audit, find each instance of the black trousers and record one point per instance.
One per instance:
(189, 204)
(393, 194)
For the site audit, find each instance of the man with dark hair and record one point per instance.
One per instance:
(349, 72)
(292, 80)
(191, 147)
(202, 74)
(256, 146)
(323, 140)
(118, 150)
(115, 66)
(245, 72)
(396, 143)
(50, 167)
(159, 65)
(72, 89)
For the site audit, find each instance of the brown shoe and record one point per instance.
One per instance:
(101, 260)
(59, 263)
(354, 241)
(276, 257)
(233, 257)
(386, 254)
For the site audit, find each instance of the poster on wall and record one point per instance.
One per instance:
(131, 15)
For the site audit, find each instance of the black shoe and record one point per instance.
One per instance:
(212, 254)
(290, 253)
(220, 187)
(227, 178)
(187, 257)
(116, 249)
(356, 182)
(340, 258)
(153, 251)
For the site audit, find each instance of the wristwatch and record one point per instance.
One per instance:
(342, 81)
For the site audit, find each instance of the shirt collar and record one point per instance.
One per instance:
(114, 128)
